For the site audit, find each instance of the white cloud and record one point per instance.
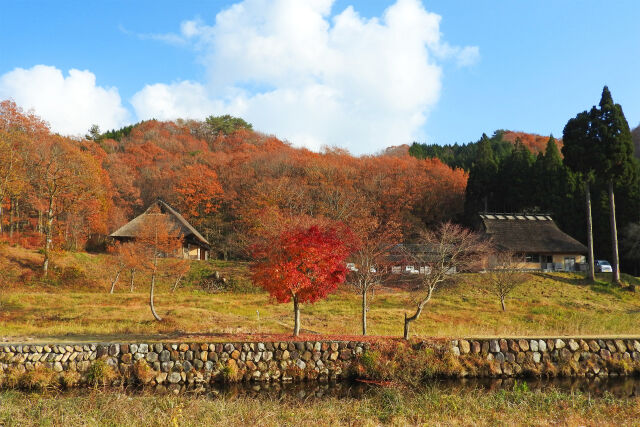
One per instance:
(292, 69)
(70, 104)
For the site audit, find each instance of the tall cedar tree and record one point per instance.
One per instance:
(618, 164)
(582, 155)
(598, 145)
(301, 265)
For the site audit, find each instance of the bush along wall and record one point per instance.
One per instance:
(39, 366)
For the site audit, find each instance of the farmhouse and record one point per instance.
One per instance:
(194, 246)
(535, 238)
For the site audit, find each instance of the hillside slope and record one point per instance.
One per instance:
(75, 303)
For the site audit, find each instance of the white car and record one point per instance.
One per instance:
(602, 266)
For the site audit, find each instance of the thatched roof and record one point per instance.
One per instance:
(529, 234)
(132, 228)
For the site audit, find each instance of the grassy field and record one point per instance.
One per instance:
(75, 304)
(432, 406)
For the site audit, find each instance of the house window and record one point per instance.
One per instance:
(547, 259)
(532, 258)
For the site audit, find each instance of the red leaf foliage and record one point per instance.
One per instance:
(305, 263)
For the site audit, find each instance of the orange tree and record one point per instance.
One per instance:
(302, 265)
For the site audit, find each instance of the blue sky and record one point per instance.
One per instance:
(526, 66)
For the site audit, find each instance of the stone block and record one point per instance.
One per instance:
(464, 346)
(174, 377)
(524, 345)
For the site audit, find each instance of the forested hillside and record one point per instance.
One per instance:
(520, 172)
(235, 184)
(232, 183)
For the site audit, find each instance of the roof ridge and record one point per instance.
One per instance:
(169, 209)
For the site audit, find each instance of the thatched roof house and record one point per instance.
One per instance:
(194, 246)
(537, 238)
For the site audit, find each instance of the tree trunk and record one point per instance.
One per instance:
(114, 281)
(176, 283)
(48, 240)
(296, 314)
(364, 312)
(416, 315)
(502, 303)
(592, 272)
(614, 235)
(11, 211)
(133, 273)
(153, 309)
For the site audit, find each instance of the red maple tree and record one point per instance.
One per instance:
(302, 265)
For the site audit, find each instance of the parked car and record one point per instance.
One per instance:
(602, 266)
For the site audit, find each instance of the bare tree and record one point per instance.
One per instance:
(367, 272)
(443, 253)
(157, 238)
(504, 274)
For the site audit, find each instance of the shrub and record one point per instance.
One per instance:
(38, 379)
(229, 372)
(69, 379)
(143, 372)
(412, 363)
(100, 374)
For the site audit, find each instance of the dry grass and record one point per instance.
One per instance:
(75, 304)
(388, 406)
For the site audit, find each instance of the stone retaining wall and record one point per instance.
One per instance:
(203, 363)
(552, 356)
(188, 363)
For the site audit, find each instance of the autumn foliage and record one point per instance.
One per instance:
(302, 265)
(232, 186)
(534, 142)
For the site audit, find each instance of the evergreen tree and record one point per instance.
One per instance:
(515, 180)
(552, 181)
(581, 155)
(612, 132)
(482, 177)
(552, 158)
